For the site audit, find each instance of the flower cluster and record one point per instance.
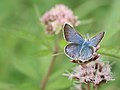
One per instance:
(56, 17)
(94, 72)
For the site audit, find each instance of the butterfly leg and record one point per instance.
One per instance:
(95, 56)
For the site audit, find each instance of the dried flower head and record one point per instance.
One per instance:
(94, 72)
(56, 17)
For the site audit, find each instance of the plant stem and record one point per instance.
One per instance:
(88, 86)
(96, 87)
(46, 78)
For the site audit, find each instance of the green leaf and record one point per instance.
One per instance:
(27, 67)
(60, 83)
(7, 86)
(110, 51)
(90, 5)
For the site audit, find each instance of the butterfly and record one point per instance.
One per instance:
(79, 48)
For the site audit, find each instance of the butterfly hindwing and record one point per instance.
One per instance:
(71, 35)
(78, 52)
(72, 50)
(96, 40)
(86, 53)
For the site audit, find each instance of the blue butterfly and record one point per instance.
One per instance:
(78, 48)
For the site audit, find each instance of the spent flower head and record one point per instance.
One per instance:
(56, 17)
(94, 72)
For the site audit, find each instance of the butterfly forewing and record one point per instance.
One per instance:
(71, 35)
(96, 40)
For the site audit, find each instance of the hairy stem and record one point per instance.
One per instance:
(46, 78)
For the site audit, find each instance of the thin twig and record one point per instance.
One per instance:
(59, 53)
(46, 78)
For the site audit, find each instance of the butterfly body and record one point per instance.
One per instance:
(78, 48)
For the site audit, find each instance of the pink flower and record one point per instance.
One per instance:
(56, 17)
(94, 72)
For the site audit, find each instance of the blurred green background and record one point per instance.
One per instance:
(26, 51)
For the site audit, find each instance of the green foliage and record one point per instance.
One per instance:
(26, 51)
